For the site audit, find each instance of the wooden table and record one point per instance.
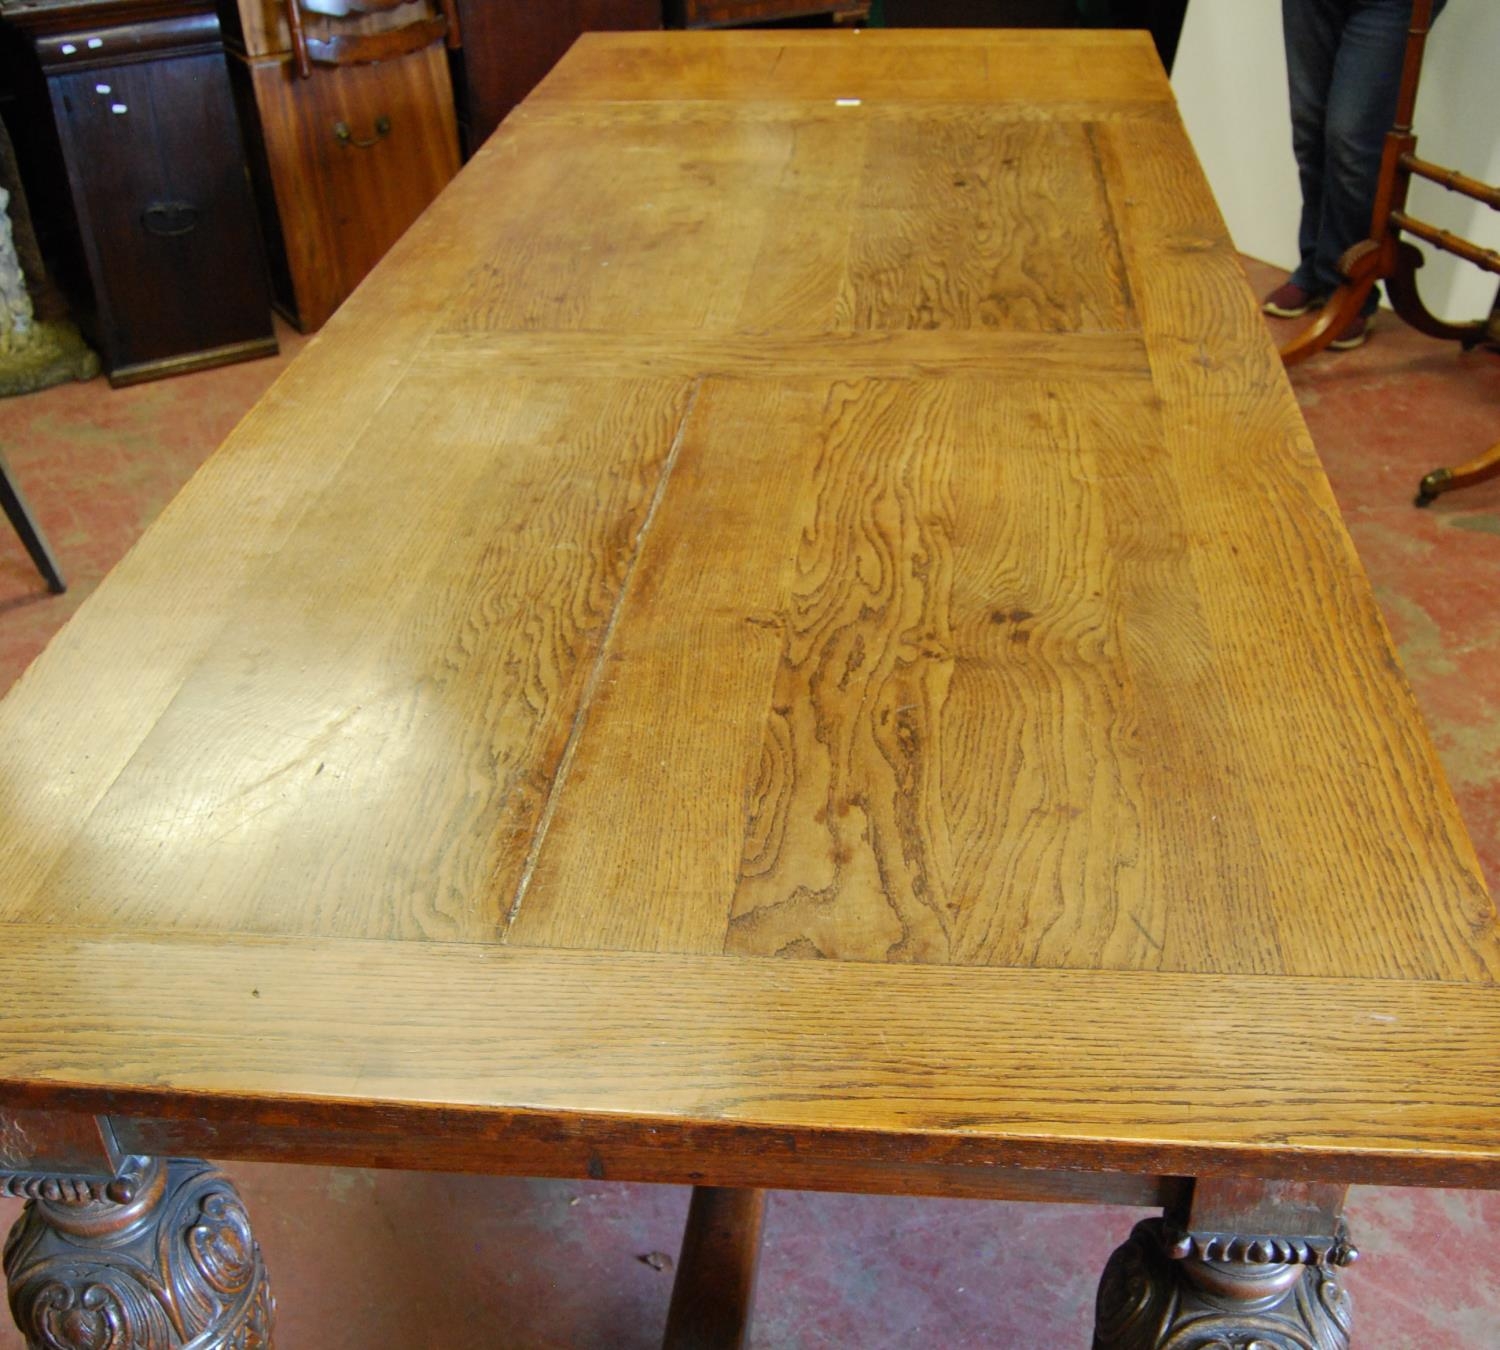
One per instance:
(792, 635)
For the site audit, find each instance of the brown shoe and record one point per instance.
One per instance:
(1355, 334)
(1290, 301)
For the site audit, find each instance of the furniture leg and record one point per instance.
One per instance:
(157, 1258)
(19, 514)
(1253, 1264)
(1475, 470)
(715, 1286)
(1363, 265)
(1406, 300)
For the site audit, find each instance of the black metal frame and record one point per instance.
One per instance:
(20, 516)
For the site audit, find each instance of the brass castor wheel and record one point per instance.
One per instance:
(1432, 486)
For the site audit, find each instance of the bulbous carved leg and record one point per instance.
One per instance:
(1164, 1290)
(161, 1258)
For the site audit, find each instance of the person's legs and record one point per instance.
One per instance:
(1311, 30)
(1360, 108)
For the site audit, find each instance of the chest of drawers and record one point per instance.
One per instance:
(343, 160)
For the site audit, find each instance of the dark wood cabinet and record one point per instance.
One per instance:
(171, 275)
(981, 13)
(724, 13)
(509, 45)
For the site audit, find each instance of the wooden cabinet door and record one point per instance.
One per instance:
(343, 197)
(259, 27)
(509, 45)
(722, 13)
(980, 13)
(164, 211)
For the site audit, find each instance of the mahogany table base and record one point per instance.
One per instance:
(1154, 1298)
(160, 1257)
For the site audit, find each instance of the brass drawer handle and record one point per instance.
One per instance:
(347, 137)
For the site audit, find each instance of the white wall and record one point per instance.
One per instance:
(1230, 79)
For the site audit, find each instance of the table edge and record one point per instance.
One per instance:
(973, 1067)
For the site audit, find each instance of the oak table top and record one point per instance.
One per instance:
(793, 624)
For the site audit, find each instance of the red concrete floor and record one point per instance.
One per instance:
(367, 1260)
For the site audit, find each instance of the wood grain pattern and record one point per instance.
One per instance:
(967, 1067)
(297, 797)
(1055, 358)
(877, 66)
(733, 526)
(956, 765)
(467, 1141)
(988, 227)
(171, 600)
(1247, 470)
(839, 222)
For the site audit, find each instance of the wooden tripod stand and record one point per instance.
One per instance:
(1386, 256)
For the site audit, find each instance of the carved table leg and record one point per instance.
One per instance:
(1169, 1288)
(160, 1258)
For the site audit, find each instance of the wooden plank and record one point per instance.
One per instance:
(1056, 358)
(464, 1141)
(1028, 721)
(1089, 729)
(723, 116)
(386, 780)
(871, 65)
(663, 242)
(1333, 756)
(1334, 761)
(644, 846)
(1203, 325)
(1165, 1073)
(966, 225)
(836, 222)
(164, 605)
(796, 281)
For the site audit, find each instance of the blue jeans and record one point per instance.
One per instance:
(1343, 62)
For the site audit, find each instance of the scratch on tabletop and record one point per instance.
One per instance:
(1146, 933)
(596, 674)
